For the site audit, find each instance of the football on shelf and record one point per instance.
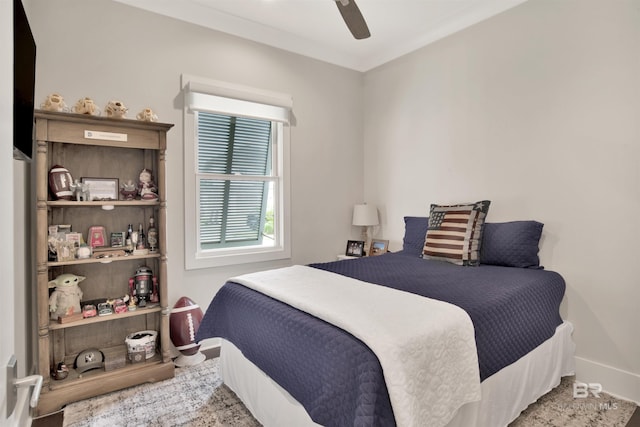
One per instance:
(184, 322)
(60, 182)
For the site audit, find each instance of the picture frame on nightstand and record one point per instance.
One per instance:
(378, 247)
(355, 248)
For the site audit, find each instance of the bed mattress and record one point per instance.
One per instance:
(504, 395)
(338, 379)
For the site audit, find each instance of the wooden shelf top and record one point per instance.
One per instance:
(115, 316)
(101, 203)
(102, 260)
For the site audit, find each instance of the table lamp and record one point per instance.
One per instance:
(365, 216)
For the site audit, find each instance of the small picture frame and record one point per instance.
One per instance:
(117, 239)
(355, 248)
(96, 236)
(102, 188)
(76, 238)
(378, 247)
(66, 251)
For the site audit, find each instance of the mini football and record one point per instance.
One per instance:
(184, 322)
(60, 181)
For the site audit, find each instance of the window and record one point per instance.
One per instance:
(236, 169)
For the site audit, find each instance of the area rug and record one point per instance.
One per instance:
(196, 397)
(559, 408)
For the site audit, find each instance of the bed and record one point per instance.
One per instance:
(491, 343)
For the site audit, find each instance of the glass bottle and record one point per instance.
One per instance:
(129, 239)
(141, 237)
(152, 236)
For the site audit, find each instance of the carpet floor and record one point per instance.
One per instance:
(196, 397)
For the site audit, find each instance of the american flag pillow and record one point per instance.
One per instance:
(455, 232)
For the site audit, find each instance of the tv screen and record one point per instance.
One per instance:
(24, 77)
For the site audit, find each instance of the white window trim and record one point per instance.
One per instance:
(194, 257)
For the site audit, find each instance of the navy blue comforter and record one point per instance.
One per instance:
(336, 377)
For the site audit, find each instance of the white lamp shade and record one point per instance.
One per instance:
(365, 215)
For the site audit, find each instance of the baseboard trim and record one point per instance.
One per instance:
(617, 382)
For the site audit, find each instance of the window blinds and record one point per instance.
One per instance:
(234, 170)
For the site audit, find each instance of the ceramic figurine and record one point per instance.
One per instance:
(65, 299)
(54, 102)
(61, 372)
(129, 190)
(86, 106)
(147, 115)
(115, 109)
(81, 190)
(146, 187)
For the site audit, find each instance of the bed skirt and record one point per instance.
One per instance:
(504, 394)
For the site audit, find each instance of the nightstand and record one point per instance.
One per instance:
(341, 257)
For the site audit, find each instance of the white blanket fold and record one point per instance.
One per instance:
(426, 347)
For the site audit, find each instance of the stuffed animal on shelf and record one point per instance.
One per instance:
(65, 300)
(54, 102)
(147, 115)
(86, 106)
(116, 109)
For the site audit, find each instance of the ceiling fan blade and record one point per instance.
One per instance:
(353, 18)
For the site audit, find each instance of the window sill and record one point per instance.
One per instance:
(212, 260)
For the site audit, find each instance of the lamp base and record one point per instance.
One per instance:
(366, 236)
(184, 360)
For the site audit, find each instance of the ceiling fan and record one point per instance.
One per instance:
(353, 18)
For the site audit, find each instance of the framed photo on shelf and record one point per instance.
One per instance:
(102, 188)
(117, 239)
(76, 238)
(355, 248)
(378, 247)
(96, 236)
(65, 250)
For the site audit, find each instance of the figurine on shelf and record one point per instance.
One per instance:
(54, 102)
(65, 300)
(81, 190)
(61, 371)
(146, 187)
(140, 286)
(86, 106)
(116, 109)
(129, 190)
(147, 115)
(132, 303)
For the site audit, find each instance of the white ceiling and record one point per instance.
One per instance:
(315, 28)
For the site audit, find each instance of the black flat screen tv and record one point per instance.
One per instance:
(24, 78)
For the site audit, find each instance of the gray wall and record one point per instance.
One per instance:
(537, 110)
(106, 50)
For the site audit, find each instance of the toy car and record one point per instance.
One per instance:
(120, 307)
(89, 310)
(104, 309)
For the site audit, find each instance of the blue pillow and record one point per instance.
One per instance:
(511, 244)
(415, 231)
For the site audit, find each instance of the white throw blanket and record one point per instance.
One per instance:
(426, 347)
